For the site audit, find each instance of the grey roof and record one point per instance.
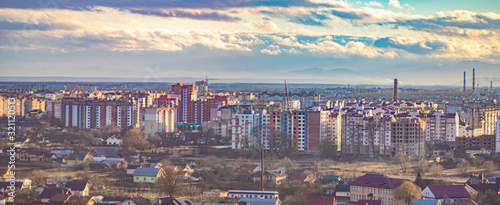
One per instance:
(426, 202)
(258, 201)
(106, 150)
(146, 171)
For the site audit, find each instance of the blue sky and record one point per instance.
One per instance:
(355, 42)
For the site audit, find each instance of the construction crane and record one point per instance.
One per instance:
(206, 82)
(288, 99)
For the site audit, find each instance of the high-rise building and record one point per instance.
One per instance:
(440, 128)
(186, 94)
(497, 137)
(408, 136)
(158, 120)
(245, 131)
(318, 128)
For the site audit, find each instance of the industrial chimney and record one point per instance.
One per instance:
(473, 80)
(395, 90)
(465, 75)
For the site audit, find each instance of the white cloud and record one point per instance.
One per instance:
(374, 4)
(270, 52)
(395, 4)
(267, 26)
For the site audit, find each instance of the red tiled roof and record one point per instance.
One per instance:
(60, 197)
(320, 200)
(378, 182)
(451, 191)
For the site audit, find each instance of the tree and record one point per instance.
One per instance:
(38, 177)
(407, 192)
(328, 149)
(421, 166)
(478, 163)
(464, 168)
(171, 181)
(436, 169)
(402, 160)
(134, 139)
(488, 198)
(419, 181)
(489, 166)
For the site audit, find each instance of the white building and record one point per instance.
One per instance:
(244, 130)
(114, 140)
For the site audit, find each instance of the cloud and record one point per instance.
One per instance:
(270, 52)
(191, 14)
(395, 4)
(374, 4)
(267, 26)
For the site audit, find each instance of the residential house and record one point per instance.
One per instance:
(320, 200)
(59, 199)
(330, 179)
(131, 168)
(426, 202)
(303, 177)
(114, 140)
(136, 201)
(147, 174)
(448, 192)
(77, 158)
(174, 201)
(115, 163)
(105, 152)
(270, 176)
(252, 194)
(478, 149)
(464, 202)
(260, 201)
(57, 180)
(380, 186)
(483, 188)
(113, 200)
(477, 179)
(78, 188)
(4, 174)
(368, 202)
(48, 193)
(82, 200)
(342, 191)
(30, 155)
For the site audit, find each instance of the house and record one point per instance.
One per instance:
(464, 202)
(303, 177)
(274, 177)
(30, 155)
(448, 192)
(426, 202)
(483, 188)
(60, 153)
(147, 174)
(131, 168)
(59, 199)
(494, 179)
(328, 179)
(342, 191)
(78, 188)
(252, 194)
(380, 186)
(114, 140)
(478, 149)
(76, 158)
(105, 152)
(320, 200)
(136, 201)
(477, 179)
(260, 201)
(174, 201)
(113, 200)
(115, 162)
(57, 180)
(81, 200)
(4, 173)
(368, 202)
(48, 193)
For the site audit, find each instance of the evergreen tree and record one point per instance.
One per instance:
(419, 181)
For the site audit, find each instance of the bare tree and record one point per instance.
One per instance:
(402, 160)
(464, 167)
(436, 169)
(407, 192)
(170, 183)
(421, 166)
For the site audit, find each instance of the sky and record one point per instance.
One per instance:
(420, 42)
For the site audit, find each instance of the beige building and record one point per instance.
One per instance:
(158, 120)
(376, 187)
(408, 136)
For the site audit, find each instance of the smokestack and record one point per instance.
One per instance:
(473, 80)
(465, 75)
(491, 85)
(395, 90)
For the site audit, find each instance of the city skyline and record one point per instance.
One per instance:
(336, 42)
